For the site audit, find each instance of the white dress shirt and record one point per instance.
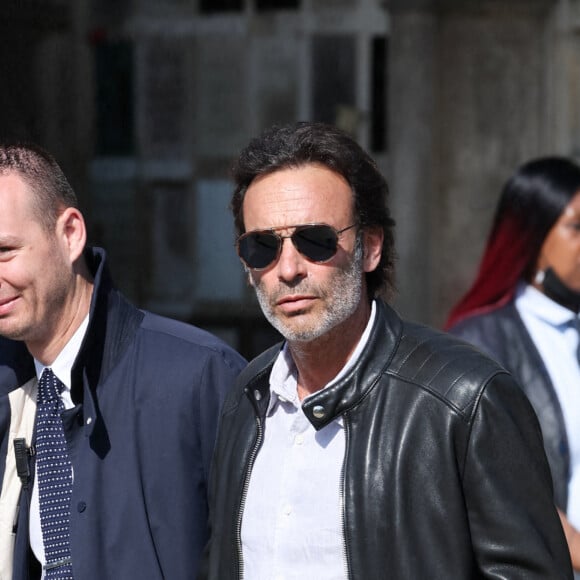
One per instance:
(61, 367)
(292, 525)
(557, 341)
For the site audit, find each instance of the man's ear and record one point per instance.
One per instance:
(72, 232)
(373, 248)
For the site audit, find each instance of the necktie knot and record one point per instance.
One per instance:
(49, 386)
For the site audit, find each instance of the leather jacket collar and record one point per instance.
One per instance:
(323, 407)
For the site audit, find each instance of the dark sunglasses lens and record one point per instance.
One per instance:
(258, 249)
(317, 243)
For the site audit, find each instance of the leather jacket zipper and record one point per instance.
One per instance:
(345, 551)
(253, 454)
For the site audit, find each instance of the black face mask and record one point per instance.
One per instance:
(555, 289)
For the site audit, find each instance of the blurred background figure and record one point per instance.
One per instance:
(523, 309)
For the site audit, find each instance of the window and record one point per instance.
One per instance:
(114, 96)
(378, 126)
(333, 76)
(210, 6)
(266, 5)
(213, 6)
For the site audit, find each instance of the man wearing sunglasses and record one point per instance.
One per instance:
(364, 446)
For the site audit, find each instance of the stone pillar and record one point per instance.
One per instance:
(469, 103)
(411, 100)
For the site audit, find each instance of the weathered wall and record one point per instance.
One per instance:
(469, 102)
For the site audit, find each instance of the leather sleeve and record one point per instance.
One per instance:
(506, 472)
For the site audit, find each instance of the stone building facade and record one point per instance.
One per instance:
(146, 102)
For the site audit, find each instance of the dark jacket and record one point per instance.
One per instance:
(503, 335)
(148, 392)
(444, 472)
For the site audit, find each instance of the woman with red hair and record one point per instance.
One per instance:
(522, 309)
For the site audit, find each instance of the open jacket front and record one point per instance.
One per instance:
(444, 470)
(147, 392)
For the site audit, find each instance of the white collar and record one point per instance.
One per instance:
(63, 363)
(537, 304)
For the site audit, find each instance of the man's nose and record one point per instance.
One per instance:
(291, 263)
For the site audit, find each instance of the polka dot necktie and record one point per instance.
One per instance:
(54, 472)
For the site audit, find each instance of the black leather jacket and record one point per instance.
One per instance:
(444, 472)
(503, 335)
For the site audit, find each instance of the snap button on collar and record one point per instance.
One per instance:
(318, 411)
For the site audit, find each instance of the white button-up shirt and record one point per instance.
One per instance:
(292, 525)
(557, 340)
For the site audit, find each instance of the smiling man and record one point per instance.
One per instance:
(364, 446)
(107, 413)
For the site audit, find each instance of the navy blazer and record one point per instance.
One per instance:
(147, 391)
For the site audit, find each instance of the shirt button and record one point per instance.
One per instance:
(287, 510)
(257, 395)
(89, 420)
(318, 411)
(299, 439)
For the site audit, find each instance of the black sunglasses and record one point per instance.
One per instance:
(316, 242)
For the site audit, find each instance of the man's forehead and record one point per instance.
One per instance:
(311, 179)
(289, 199)
(15, 186)
(18, 202)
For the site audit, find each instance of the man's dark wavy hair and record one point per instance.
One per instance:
(288, 146)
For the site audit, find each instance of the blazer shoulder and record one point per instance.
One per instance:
(498, 320)
(184, 336)
(493, 332)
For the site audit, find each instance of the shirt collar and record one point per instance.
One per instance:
(63, 363)
(537, 304)
(284, 377)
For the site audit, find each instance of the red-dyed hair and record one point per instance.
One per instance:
(530, 204)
